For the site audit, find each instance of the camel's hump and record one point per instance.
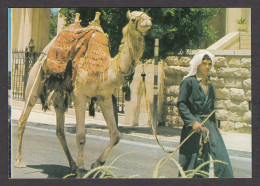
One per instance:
(87, 48)
(100, 37)
(73, 43)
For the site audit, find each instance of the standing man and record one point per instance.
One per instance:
(195, 103)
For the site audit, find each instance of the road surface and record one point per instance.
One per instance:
(45, 158)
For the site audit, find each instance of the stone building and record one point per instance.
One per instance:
(233, 36)
(30, 23)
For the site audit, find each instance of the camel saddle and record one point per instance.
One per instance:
(86, 48)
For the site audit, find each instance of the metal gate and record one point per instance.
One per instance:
(22, 62)
(120, 101)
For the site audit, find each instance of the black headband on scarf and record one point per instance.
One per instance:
(206, 57)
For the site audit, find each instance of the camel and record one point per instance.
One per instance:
(123, 64)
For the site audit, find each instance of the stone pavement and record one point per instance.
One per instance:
(238, 144)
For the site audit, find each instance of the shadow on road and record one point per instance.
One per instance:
(53, 171)
(161, 130)
(57, 171)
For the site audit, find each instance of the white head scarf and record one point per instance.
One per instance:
(196, 61)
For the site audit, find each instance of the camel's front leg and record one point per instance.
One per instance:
(106, 106)
(80, 108)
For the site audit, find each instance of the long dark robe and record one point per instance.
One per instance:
(193, 102)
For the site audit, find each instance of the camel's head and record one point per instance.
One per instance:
(139, 22)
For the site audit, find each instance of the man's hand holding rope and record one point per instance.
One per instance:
(197, 127)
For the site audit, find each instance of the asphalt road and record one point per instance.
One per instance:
(45, 158)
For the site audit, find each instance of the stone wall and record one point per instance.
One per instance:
(232, 79)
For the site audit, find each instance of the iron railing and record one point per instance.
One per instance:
(22, 62)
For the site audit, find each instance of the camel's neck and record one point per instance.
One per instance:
(131, 50)
(123, 64)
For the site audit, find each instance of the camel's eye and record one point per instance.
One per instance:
(133, 19)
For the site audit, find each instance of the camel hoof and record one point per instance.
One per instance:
(73, 167)
(97, 164)
(80, 173)
(19, 164)
(94, 165)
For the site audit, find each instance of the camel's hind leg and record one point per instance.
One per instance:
(106, 106)
(60, 107)
(33, 90)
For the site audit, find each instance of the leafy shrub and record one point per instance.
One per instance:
(105, 171)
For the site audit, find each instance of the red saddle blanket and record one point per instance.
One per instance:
(87, 48)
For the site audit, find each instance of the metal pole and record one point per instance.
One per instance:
(155, 98)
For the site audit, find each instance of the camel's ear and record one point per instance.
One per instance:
(128, 15)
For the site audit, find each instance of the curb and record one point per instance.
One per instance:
(69, 128)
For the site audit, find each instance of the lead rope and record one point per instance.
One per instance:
(203, 139)
(191, 133)
(153, 127)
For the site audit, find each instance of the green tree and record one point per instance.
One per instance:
(179, 29)
(53, 25)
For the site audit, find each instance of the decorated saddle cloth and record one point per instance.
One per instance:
(87, 48)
